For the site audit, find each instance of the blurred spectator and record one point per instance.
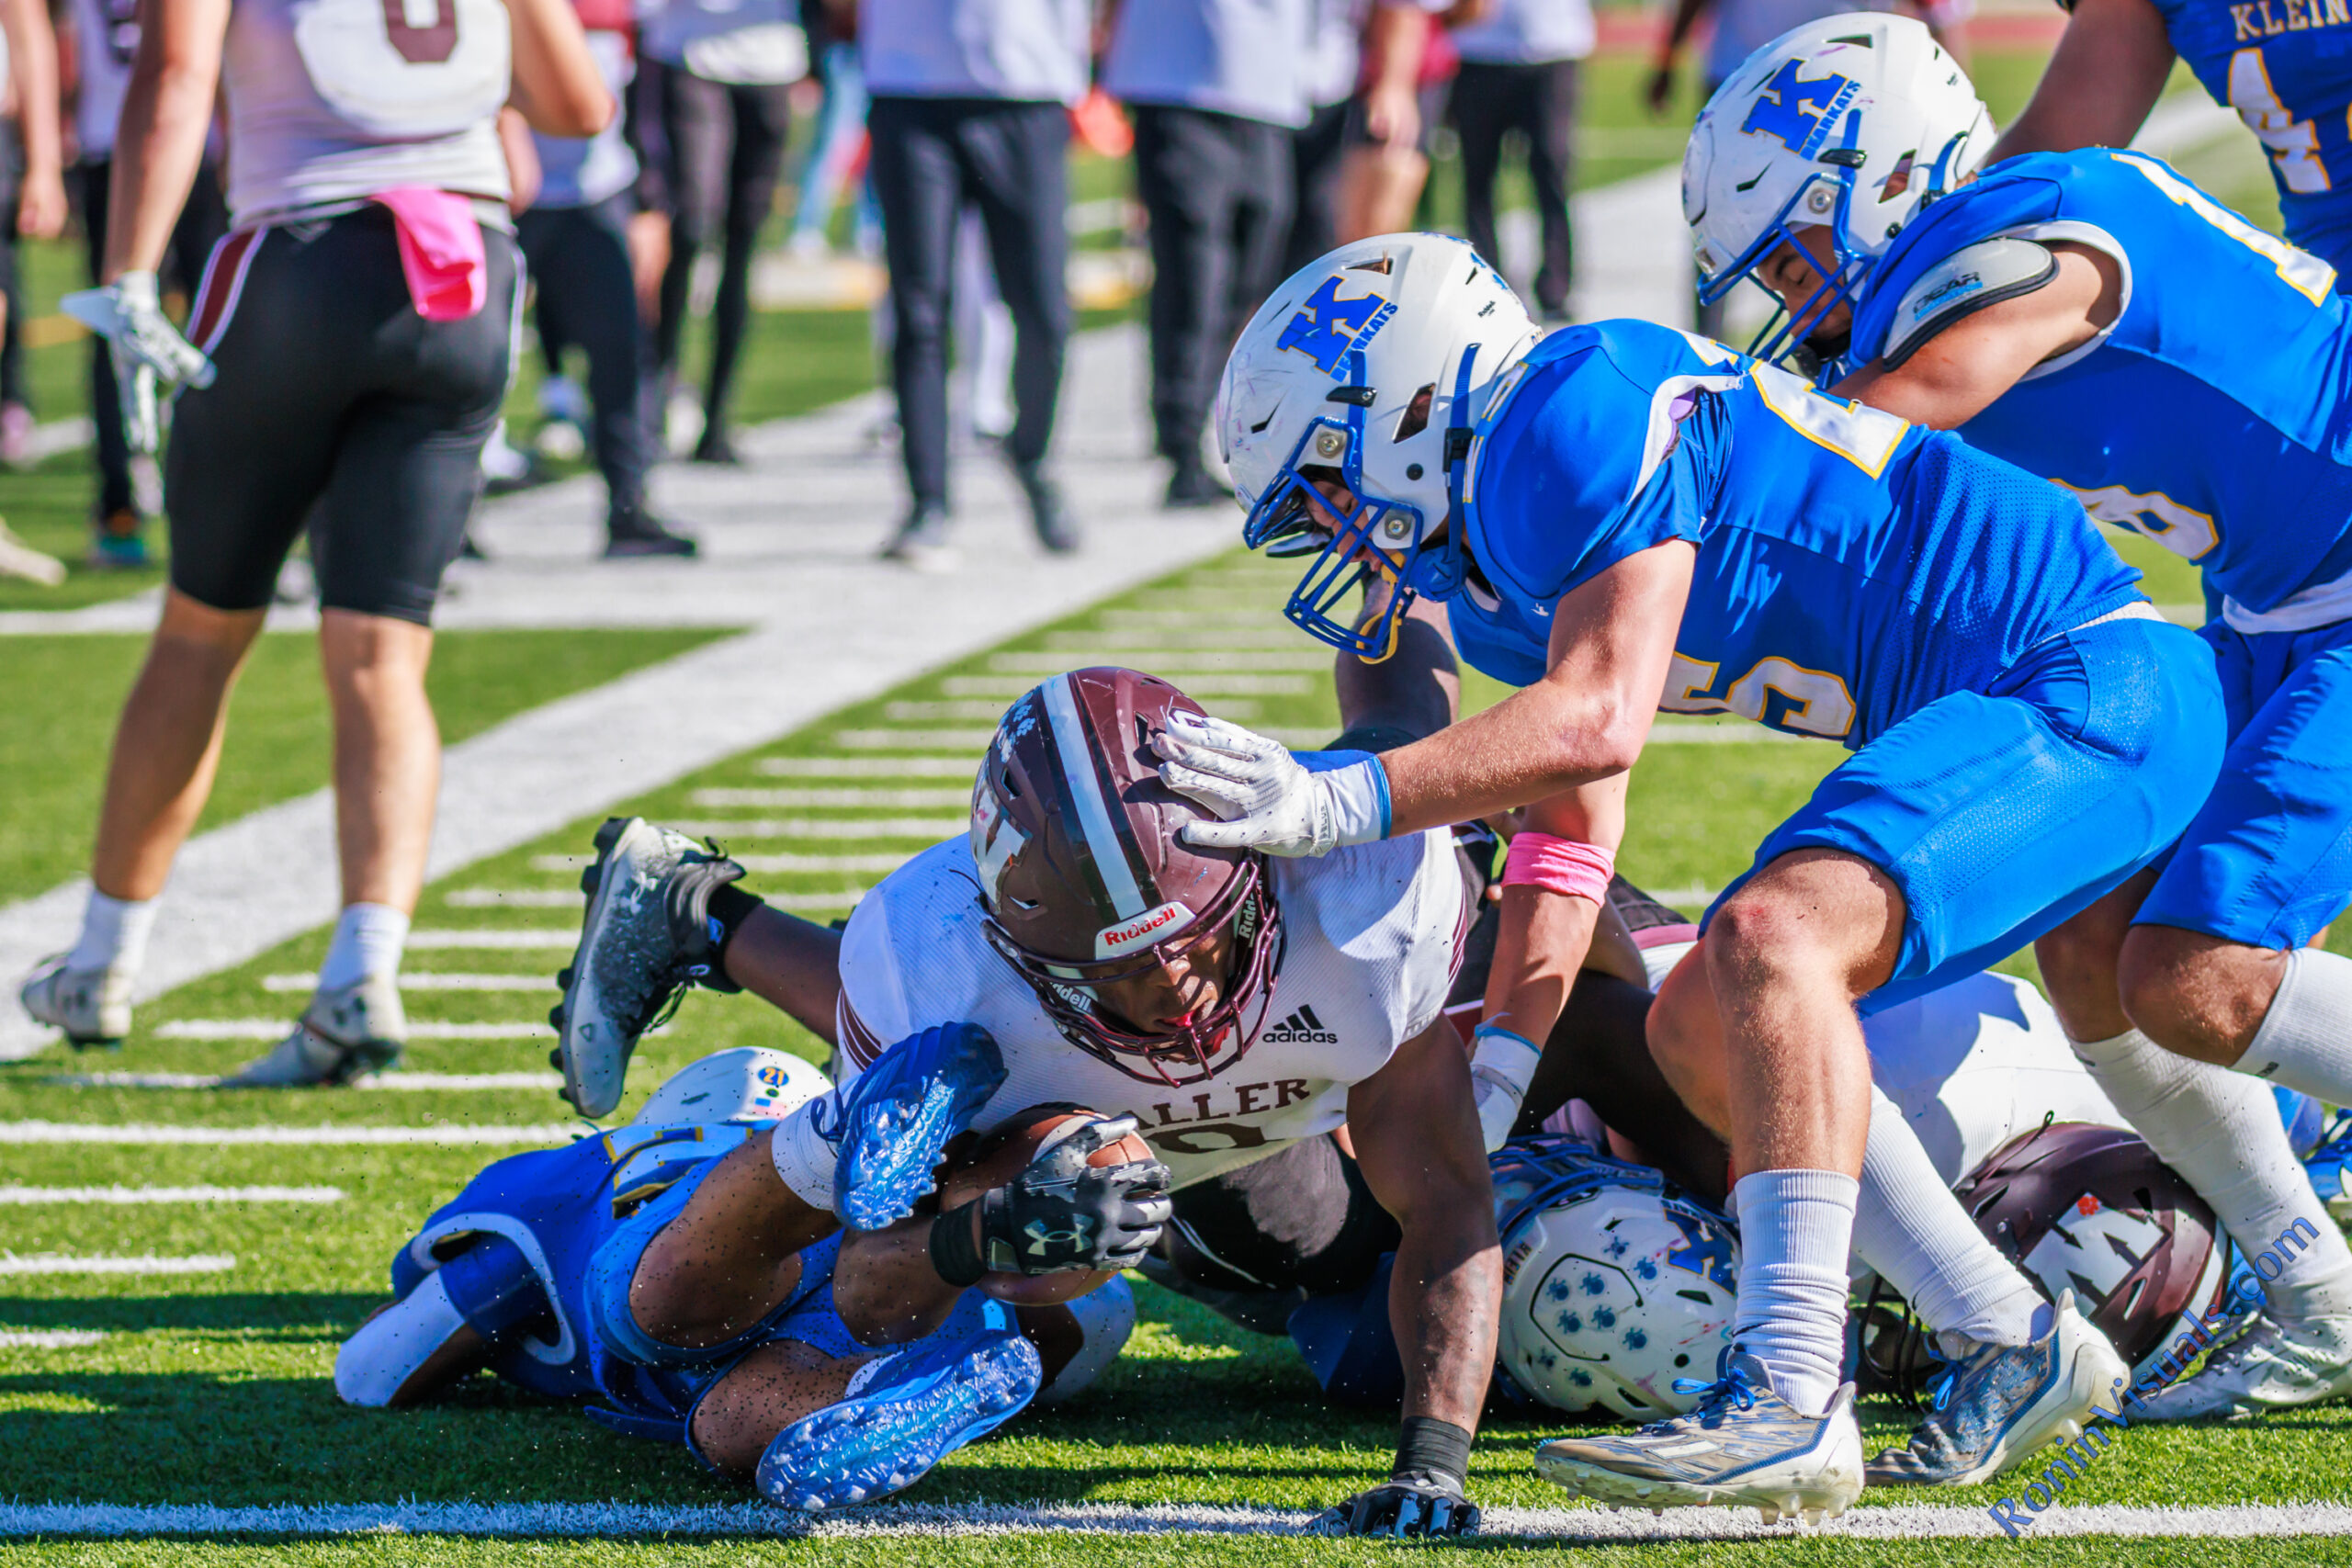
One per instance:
(1408, 62)
(1334, 54)
(106, 35)
(575, 240)
(1217, 88)
(32, 188)
(1518, 72)
(721, 70)
(970, 107)
(836, 158)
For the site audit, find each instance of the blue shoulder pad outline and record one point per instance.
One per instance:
(1967, 281)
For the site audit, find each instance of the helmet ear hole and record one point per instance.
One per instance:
(1416, 413)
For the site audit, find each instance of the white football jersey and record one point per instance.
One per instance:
(330, 101)
(1371, 936)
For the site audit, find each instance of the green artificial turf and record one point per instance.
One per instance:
(65, 693)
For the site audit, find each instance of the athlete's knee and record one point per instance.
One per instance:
(734, 1423)
(2195, 994)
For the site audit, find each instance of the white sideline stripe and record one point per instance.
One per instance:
(429, 980)
(931, 829)
(48, 1339)
(550, 939)
(142, 1263)
(223, 1137)
(171, 1194)
(875, 800)
(1010, 686)
(274, 1029)
(561, 1520)
(396, 1080)
(513, 898)
(820, 862)
(859, 768)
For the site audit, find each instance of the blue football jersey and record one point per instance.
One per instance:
(2215, 415)
(2286, 67)
(1851, 568)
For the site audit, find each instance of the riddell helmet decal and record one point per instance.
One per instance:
(1151, 926)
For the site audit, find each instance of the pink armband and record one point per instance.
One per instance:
(1560, 865)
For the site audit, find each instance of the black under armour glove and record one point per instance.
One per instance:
(1059, 1215)
(1423, 1496)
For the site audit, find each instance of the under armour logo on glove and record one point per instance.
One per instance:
(1074, 1217)
(1042, 1237)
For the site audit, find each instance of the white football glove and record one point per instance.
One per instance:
(151, 358)
(1262, 797)
(1501, 1066)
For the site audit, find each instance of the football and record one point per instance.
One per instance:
(1002, 1154)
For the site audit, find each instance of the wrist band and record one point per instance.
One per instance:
(953, 1256)
(1503, 1056)
(1566, 866)
(1434, 1449)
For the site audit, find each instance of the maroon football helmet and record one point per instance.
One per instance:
(1087, 884)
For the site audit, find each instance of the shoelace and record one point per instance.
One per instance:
(1733, 1388)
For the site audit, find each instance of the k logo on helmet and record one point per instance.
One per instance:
(1800, 114)
(1328, 326)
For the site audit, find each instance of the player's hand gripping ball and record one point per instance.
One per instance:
(1065, 1198)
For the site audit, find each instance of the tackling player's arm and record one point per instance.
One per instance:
(2105, 75)
(1416, 1140)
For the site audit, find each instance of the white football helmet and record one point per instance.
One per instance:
(1851, 123)
(1617, 1292)
(1331, 374)
(750, 1083)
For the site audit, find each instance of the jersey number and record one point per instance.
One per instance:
(1812, 702)
(2185, 531)
(2299, 270)
(2294, 143)
(1864, 437)
(423, 32)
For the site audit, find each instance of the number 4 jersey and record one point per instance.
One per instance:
(2212, 415)
(1851, 568)
(1371, 938)
(330, 101)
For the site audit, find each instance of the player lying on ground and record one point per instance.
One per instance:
(851, 1369)
(1629, 519)
(1115, 966)
(2094, 317)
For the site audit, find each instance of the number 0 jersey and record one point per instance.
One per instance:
(1371, 936)
(330, 101)
(1852, 567)
(2214, 415)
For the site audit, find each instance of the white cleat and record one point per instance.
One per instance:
(92, 1006)
(344, 1035)
(2271, 1366)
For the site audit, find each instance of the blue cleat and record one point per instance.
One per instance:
(1743, 1445)
(893, 1122)
(2002, 1404)
(2330, 1166)
(904, 1412)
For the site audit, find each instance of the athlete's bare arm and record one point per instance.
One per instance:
(1416, 1133)
(32, 66)
(557, 86)
(166, 110)
(1545, 937)
(2105, 75)
(1418, 689)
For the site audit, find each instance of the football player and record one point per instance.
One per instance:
(1629, 519)
(353, 340)
(838, 1385)
(2286, 74)
(2094, 317)
(1232, 1005)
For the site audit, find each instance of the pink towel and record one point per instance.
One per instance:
(440, 251)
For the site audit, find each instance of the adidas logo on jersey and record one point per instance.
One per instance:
(1301, 1027)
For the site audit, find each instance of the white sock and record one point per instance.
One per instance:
(114, 933)
(1912, 1231)
(367, 945)
(2221, 1131)
(2306, 1041)
(1795, 1229)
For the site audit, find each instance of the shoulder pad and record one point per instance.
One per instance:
(1963, 283)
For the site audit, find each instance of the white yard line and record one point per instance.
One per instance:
(864, 767)
(930, 829)
(755, 1520)
(455, 1135)
(870, 799)
(428, 980)
(1304, 657)
(21, 1195)
(141, 1263)
(48, 1339)
(275, 1029)
(1203, 686)
(813, 863)
(972, 740)
(512, 898)
(433, 939)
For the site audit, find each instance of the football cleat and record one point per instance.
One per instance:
(2330, 1166)
(92, 1006)
(2271, 1366)
(891, 1125)
(1744, 1445)
(645, 941)
(343, 1034)
(2001, 1404)
(903, 1413)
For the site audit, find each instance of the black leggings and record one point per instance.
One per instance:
(579, 260)
(725, 150)
(339, 409)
